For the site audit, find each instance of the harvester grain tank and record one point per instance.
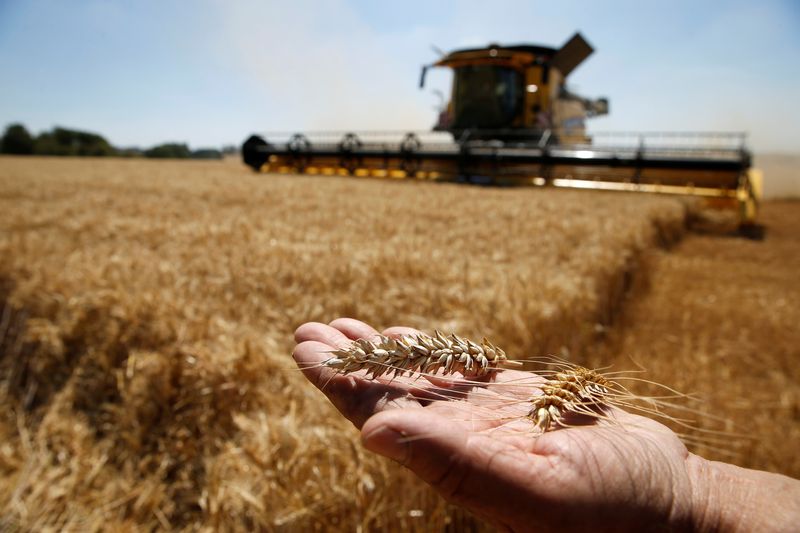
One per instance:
(512, 120)
(517, 93)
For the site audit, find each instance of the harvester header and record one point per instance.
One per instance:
(511, 120)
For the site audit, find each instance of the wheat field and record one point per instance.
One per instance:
(148, 312)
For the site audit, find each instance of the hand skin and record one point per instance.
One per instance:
(599, 477)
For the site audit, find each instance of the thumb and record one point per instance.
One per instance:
(434, 448)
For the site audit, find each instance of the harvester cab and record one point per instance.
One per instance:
(517, 93)
(511, 120)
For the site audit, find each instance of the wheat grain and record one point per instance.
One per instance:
(419, 354)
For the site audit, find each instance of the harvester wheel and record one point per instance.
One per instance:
(753, 232)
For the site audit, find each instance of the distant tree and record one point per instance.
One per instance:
(47, 144)
(230, 149)
(169, 150)
(131, 151)
(16, 140)
(206, 153)
(62, 141)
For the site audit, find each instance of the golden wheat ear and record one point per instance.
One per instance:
(575, 390)
(419, 354)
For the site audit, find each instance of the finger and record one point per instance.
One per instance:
(356, 398)
(354, 329)
(399, 331)
(328, 338)
(316, 331)
(309, 356)
(338, 334)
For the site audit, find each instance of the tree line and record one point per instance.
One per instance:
(66, 142)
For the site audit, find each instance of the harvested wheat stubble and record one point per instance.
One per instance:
(420, 353)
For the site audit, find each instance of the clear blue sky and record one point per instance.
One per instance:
(210, 72)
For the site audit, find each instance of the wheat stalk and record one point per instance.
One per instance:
(419, 354)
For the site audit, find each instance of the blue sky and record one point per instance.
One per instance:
(211, 72)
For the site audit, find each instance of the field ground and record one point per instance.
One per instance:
(148, 311)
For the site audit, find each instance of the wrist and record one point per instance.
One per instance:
(730, 498)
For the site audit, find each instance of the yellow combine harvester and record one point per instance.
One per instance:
(512, 121)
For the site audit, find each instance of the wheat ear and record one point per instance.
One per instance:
(576, 390)
(418, 354)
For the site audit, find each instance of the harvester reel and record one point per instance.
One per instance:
(299, 148)
(349, 144)
(409, 148)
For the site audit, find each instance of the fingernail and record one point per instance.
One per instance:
(387, 442)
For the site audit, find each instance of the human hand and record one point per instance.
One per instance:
(634, 474)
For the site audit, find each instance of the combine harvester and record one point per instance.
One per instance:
(512, 121)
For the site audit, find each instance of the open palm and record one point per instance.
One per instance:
(481, 453)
